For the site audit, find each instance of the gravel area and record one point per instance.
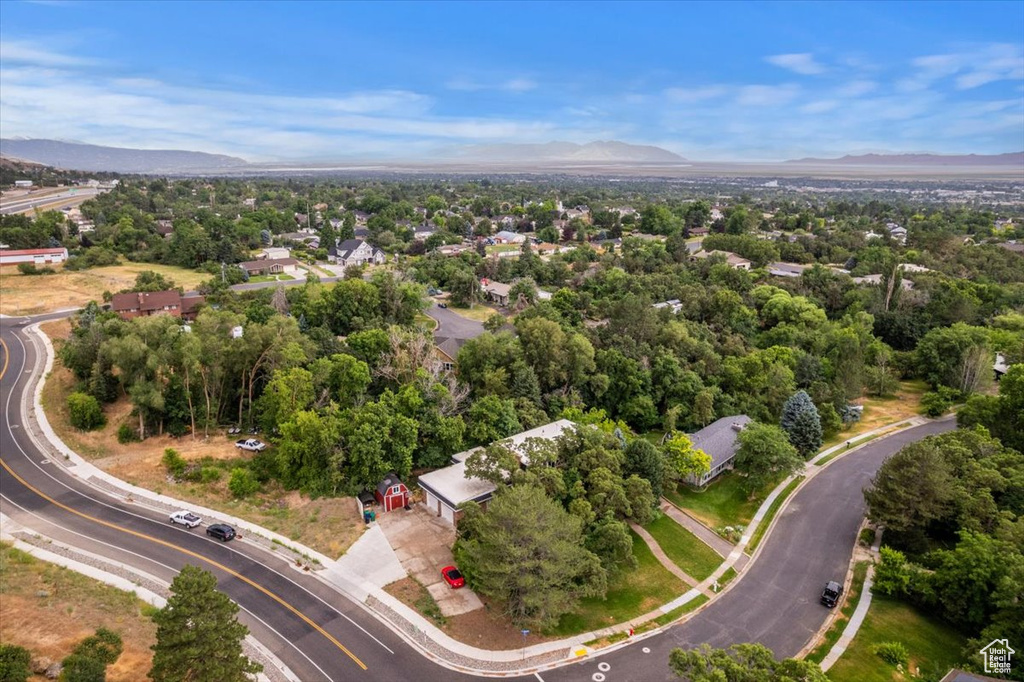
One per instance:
(458, 659)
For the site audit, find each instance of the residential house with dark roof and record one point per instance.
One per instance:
(270, 266)
(719, 440)
(355, 252)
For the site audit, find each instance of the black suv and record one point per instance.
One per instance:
(221, 531)
(830, 595)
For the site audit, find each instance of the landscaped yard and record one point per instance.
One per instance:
(30, 294)
(683, 548)
(630, 594)
(722, 503)
(479, 312)
(270, 278)
(49, 610)
(934, 646)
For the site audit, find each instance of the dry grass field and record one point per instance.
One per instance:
(31, 294)
(49, 610)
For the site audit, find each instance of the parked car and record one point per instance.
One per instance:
(186, 518)
(251, 444)
(453, 577)
(221, 531)
(831, 594)
(442, 305)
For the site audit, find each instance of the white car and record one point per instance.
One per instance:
(251, 445)
(186, 518)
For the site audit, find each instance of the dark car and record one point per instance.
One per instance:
(442, 305)
(453, 577)
(221, 531)
(831, 594)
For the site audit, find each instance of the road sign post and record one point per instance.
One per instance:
(525, 633)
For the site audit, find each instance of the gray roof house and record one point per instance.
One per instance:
(719, 441)
(355, 252)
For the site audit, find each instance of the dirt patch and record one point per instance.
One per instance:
(72, 608)
(327, 525)
(486, 628)
(30, 294)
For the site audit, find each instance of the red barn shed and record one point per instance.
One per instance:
(392, 493)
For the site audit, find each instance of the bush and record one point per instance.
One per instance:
(937, 402)
(79, 668)
(126, 434)
(31, 269)
(14, 663)
(105, 646)
(174, 463)
(243, 483)
(209, 474)
(85, 412)
(95, 257)
(893, 653)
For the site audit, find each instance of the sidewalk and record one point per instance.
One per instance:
(662, 558)
(364, 588)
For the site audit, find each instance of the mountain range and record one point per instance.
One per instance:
(609, 151)
(1015, 159)
(90, 157)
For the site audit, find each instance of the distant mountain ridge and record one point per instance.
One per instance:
(605, 151)
(1010, 159)
(90, 157)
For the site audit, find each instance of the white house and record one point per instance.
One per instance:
(447, 488)
(274, 252)
(34, 256)
(506, 237)
(355, 252)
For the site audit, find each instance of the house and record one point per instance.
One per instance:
(1000, 367)
(146, 303)
(453, 249)
(164, 228)
(506, 237)
(391, 493)
(496, 291)
(719, 441)
(423, 231)
(897, 232)
(355, 252)
(274, 253)
(33, 256)
(957, 675)
(787, 269)
(270, 266)
(675, 305)
(23, 184)
(699, 231)
(446, 351)
(449, 487)
(731, 259)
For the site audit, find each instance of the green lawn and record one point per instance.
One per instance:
(773, 509)
(630, 594)
(677, 612)
(722, 503)
(269, 278)
(480, 312)
(934, 646)
(860, 571)
(683, 548)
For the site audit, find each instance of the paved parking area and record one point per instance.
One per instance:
(422, 542)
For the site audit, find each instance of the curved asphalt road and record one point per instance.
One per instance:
(316, 632)
(310, 627)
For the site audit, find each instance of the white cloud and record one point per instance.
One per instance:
(819, 106)
(974, 68)
(802, 63)
(699, 94)
(766, 95)
(516, 85)
(857, 88)
(31, 53)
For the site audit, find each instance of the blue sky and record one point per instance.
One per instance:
(716, 81)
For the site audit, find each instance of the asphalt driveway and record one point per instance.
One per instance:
(452, 325)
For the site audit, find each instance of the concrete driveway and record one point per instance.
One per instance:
(423, 544)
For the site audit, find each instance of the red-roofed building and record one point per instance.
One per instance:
(34, 256)
(146, 303)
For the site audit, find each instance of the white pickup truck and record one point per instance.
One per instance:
(250, 444)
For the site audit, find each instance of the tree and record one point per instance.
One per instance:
(958, 357)
(14, 663)
(741, 663)
(528, 552)
(802, 423)
(911, 489)
(308, 456)
(646, 461)
(198, 636)
(683, 459)
(765, 456)
(491, 419)
(85, 412)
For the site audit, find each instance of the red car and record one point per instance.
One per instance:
(453, 577)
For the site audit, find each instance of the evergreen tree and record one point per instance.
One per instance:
(802, 423)
(198, 636)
